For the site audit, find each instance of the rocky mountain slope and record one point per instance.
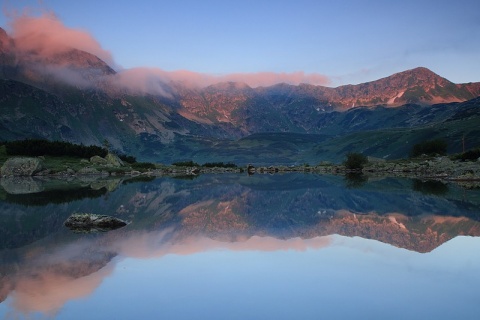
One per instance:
(73, 95)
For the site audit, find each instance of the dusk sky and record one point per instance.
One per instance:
(344, 41)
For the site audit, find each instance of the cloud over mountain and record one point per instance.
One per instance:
(46, 37)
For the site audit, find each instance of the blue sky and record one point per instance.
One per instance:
(348, 41)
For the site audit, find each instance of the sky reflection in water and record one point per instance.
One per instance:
(353, 278)
(212, 248)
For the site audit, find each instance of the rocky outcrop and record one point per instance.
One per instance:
(114, 160)
(88, 222)
(21, 166)
(98, 160)
(110, 160)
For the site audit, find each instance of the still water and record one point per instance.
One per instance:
(293, 246)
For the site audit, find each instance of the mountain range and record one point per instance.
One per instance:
(73, 95)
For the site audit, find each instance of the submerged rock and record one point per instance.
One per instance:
(88, 222)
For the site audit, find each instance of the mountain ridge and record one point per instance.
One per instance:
(73, 95)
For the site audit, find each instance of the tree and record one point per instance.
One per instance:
(429, 147)
(106, 144)
(355, 161)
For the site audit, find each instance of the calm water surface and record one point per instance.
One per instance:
(288, 246)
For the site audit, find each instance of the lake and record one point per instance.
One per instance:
(234, 246)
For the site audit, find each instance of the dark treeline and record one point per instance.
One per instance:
(470, 155)
(186, 164)
(219, 165)
(206, 165)
(39, 147)
(430, 147)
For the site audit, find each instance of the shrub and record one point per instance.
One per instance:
(470, 155)
(143, 165)
(186, 164)
(430, 147)
(355, 161)
(127, 159)
(220, 165)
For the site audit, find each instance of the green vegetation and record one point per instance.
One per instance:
(186, 164)
(39, 147)
(355, 161)
(3, 153)
(60, 156)
(470, 155)
(430, 148)
(140, 166)
(128, 159)
(219, 165)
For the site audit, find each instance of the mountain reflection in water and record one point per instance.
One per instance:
(43, 265)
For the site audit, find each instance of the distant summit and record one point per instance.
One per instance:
(50, 70)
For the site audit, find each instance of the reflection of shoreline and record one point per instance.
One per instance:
(40, 191)
(171, 216)
(46, 279)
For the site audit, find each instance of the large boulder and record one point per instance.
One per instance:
(88, 222)
(21, 166)
(114, 160)
(98, 160)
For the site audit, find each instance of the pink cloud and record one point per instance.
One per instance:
(263, 79)
(47, 35)
(152, 80)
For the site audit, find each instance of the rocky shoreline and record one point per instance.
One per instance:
(439, 168)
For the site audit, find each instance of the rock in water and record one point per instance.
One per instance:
(21, 166)
(88, 222)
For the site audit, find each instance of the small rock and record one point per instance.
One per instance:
(88, 171)
(88, 222)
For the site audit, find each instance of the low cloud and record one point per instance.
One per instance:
(154, 80)
(47, 36)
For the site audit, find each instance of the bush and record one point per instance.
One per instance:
(430, 147)
(143, 166)
(470, 155)
(186, 164)
(220, 165)
(355, 161)
(127, 159)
